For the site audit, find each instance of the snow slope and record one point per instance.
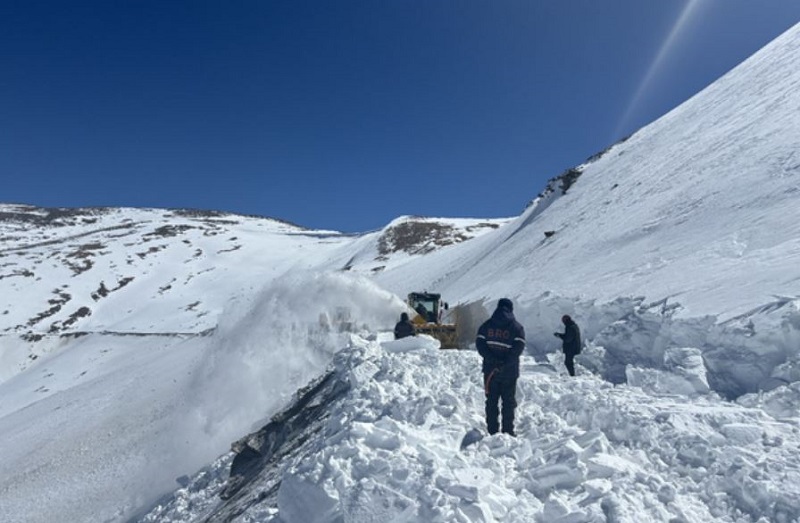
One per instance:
(684, 209)
(136, 345)
(130, 272)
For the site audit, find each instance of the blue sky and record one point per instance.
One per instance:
(343, 115)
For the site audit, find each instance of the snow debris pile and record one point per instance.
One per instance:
(586, 451)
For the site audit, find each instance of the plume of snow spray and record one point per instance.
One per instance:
(269, 345)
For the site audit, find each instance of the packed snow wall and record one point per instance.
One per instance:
(757, 351)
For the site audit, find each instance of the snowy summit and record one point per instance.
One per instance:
(184, 366)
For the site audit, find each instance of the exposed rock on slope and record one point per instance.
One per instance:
(421, 235)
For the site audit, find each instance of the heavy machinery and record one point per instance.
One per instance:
(432, 318)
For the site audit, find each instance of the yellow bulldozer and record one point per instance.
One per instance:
(434, 318)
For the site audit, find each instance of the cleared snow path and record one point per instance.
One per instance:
(586, 451)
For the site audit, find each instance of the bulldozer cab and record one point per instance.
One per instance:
(428, 320)
(427, 305)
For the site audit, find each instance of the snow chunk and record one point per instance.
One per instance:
(300, 501)
(783, 402)
(607, 465)
(685, 374)
(372, 501)
(742, 433)
(362, 374)
(375, 436)
(558, 476)
(411, 343)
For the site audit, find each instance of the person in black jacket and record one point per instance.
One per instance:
(571, 342)
(404, 327)
(500, 341)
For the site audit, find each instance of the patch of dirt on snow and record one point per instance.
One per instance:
(419, 237)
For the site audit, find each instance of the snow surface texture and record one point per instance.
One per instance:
(136, 345)
(586, 451)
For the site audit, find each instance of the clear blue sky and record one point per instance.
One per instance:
(343, 114)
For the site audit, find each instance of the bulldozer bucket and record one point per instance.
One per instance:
(446, 334)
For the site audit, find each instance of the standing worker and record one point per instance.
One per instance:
(404, 327)
(500, 341)
(571, 342)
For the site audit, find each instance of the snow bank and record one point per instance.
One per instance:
(628, 337)
(586, 451)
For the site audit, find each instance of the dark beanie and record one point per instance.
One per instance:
(404, 317)
(505, 303)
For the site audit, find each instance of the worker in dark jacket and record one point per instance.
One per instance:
(404, 327)
(571, 342)
(500, 341)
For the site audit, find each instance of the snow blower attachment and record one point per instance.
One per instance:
(434, 318)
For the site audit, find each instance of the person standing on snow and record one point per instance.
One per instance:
(500, 341)
(404, 328)
(571, 342)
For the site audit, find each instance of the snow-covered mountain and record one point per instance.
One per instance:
(137, 344)
(149, 272)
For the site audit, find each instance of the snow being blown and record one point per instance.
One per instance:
(269, 345)
(586, 451)
(98, 432)
(266, 347)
